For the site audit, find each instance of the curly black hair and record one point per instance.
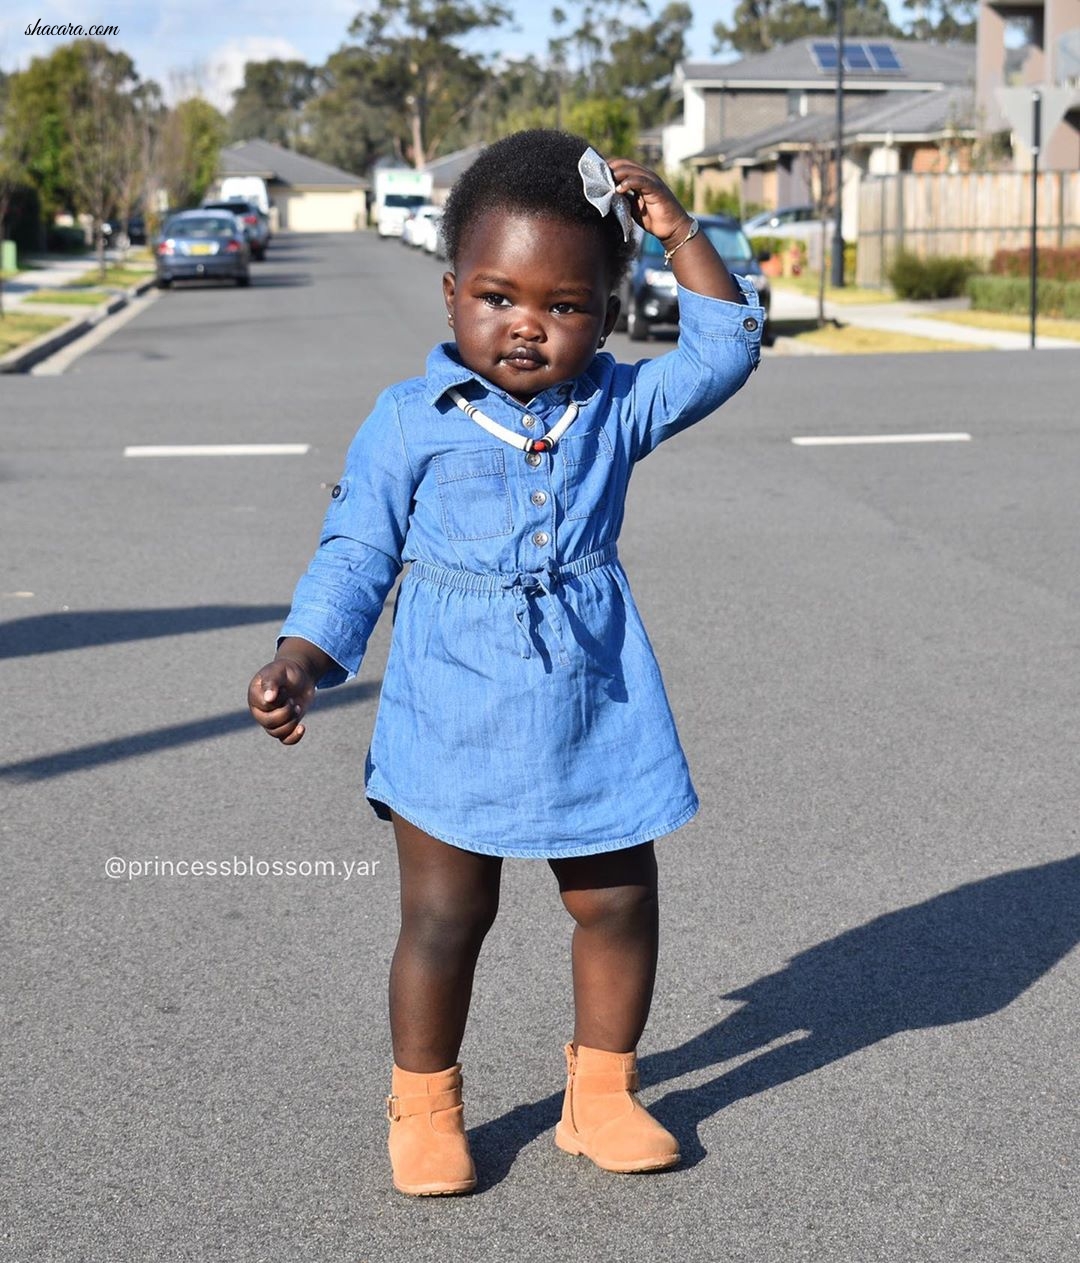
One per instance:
(532, 173)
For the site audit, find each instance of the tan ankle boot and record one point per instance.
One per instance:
(603, 1119)
(429, 1152)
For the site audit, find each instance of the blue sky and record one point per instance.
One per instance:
(205, 43)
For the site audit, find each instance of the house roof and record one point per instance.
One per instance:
(444, 171)
(896, 114)
(794, 65)
(272, 162)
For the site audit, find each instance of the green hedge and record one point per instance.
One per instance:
(1013, 294)
(938, 276)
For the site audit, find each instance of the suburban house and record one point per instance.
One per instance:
(306, 195)
(1053, 57)
(751, 125)
(445, 170)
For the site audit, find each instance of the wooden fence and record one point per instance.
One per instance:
(971, 214)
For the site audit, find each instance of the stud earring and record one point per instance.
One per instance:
(603, 339)
(449, 319)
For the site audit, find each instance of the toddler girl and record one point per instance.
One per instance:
(522, 711)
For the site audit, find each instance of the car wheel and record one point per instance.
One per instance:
(243, 280)
(259, 254)
(163, 282)
(637, 327)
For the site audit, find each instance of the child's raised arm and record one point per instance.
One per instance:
(693, 258)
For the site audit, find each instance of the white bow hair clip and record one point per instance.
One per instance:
(599, 185)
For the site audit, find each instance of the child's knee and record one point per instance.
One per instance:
(615, 907)
(440, 926)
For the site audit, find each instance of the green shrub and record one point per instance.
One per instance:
(1054, 264)
(65, 240)
(938, 276)
(1012, 294)
(774, 245)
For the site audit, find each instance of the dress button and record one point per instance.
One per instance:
(336, 492)
(541, 538)
(533, 459)
(528, 422)
(749, 324)
(539, 498)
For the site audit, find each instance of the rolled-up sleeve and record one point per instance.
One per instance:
(719, 347)
(338, 601)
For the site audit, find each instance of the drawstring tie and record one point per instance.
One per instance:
(537, 583)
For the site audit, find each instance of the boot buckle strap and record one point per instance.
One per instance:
(398, 1107)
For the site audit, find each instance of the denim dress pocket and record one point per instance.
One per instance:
(474, 495)
(586, 469)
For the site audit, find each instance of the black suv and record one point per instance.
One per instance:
(256, 222)
(649, 295)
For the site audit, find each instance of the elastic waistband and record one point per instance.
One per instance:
(548, 576)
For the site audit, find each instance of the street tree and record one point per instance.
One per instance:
(36, 108)
(342, 123)
(758, 25)
(269, 105)
(943, 21)
(418, 71)
(98, 105)
(192, 135)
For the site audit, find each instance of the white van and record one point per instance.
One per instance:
(251, 188)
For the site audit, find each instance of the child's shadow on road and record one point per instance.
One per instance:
(956, 957)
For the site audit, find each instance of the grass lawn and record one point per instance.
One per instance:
(16, 329)
(77, 297)
(852, 340)
(808, 284)
(1047, 327)
(118, 276)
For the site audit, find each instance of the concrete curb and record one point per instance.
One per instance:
(23, 358)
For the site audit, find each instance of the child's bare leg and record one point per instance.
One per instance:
(449, 898)
(612, 897)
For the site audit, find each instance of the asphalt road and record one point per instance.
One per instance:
(865, 1027)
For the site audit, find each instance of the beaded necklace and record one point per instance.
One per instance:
(508, 436)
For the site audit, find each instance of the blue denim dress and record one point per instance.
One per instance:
(522, 710)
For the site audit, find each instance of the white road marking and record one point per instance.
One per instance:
(838, 440)
(222, 449)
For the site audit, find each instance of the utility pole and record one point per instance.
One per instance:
(838, 236)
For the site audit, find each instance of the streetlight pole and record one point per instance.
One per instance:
(838, 236)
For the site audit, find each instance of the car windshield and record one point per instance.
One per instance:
(730, 242)
(403, 199)
(201, 227)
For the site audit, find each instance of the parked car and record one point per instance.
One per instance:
(763, 225)
(113, 231)
(202, 245)
(256, 222)
(414, 229)
(649, 293)
(432, 242)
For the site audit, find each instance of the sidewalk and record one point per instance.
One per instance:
(53, 272)
(49, 272)
(909, 318)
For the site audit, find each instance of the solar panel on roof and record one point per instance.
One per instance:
(856, 57)
(825, 56)
(884, 57)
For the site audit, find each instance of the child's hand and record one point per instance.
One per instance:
(278, 696)
(652, 203)
(693, 259)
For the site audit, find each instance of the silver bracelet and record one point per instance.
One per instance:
(694, 226)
